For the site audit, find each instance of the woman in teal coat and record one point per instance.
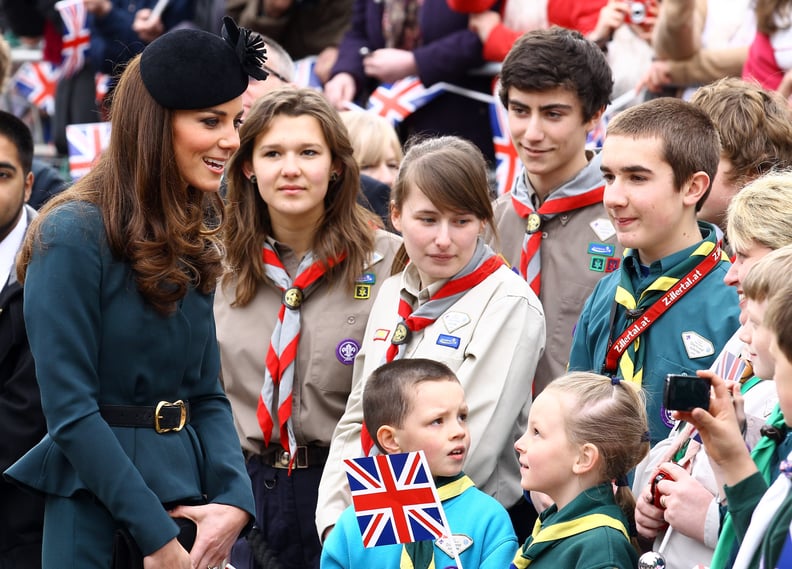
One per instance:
(119, 275)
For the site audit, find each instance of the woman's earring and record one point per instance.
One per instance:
(333, 177)
(253, 180)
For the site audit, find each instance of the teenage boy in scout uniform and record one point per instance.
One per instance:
(552, 227)
(667, 309)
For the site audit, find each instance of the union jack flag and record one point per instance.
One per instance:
(729, 364)
(507, 162)
(395, 499)
(86, 143)
(77, 36)
(304, 73)
(36, 81)
(396, 101)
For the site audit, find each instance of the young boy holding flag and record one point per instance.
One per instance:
(411, 405)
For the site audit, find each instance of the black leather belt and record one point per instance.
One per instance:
(305, 457)
(162, 417)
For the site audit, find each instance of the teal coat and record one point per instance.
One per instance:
(95, 340)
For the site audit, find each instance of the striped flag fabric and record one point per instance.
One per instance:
(86, 142)
(396, 101)
(395, 499)
(36, 81)
(76, 37)
(305, 74)
(507, 161)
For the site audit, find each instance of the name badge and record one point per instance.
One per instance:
(448, 341)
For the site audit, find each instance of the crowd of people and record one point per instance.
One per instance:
(259, 280)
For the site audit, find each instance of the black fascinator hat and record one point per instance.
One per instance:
(194, 69)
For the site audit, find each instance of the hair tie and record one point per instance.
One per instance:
(622, 480)
(645, 438)
(615, 380)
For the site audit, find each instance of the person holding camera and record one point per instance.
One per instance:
(758, 224)
(667, 309)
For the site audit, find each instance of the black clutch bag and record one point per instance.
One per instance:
(127, 555)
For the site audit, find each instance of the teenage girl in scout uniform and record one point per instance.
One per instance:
(304, 261)
(585, 432)
(455, 302)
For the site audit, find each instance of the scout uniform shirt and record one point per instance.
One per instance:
(577, 249)
(491, 338)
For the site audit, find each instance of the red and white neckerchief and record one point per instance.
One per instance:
(581, 191)
(282, 351)
(483, 263)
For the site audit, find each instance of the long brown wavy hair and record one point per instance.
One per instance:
(346, 228)
(152, 219)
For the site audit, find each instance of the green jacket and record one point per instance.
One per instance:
(598, 548)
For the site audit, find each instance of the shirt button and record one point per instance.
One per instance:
(351, 320)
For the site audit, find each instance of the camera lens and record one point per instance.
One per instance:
(637, 12)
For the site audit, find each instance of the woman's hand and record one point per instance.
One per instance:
(611, 16)
(483, 23)
(219, 526)
(170, 556)
(389, 65)
(340, 90)
(147, 28)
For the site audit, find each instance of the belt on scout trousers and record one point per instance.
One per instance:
(306, 456)
(163, 417)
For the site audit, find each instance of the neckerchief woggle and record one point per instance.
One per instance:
(282, 351)
(585, 189)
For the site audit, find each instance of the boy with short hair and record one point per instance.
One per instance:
(419, 404)
(667, 309)
(759, 497)
(552, 226)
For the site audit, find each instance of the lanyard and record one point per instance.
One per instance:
(644, 320)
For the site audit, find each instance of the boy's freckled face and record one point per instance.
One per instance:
(437, 424)
(783, 380)
(647, 211)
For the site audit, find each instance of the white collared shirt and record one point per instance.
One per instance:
(9, 247)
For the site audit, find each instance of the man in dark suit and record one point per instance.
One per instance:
(21, 419)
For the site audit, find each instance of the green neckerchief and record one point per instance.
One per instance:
(762, 455)
(542, 539)
(420, 554)
(632, 361)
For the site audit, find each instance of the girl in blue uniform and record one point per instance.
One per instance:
(585, 432)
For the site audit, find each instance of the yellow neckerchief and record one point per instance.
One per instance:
(631, 361)
(444, 492)
(566, 529)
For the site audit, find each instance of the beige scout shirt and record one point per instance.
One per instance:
(331, 317)
(499, 328)
(567, 279)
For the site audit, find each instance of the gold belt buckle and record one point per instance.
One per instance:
(182, 417)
